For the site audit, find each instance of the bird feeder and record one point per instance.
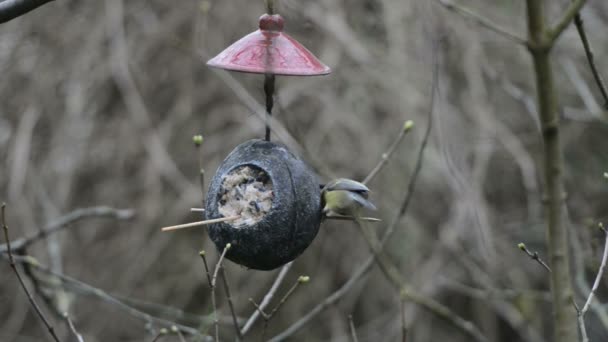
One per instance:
(276, 198)
(268, 200)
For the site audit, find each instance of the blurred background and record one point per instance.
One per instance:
(99, 101)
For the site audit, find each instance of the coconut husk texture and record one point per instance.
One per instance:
(289, 200)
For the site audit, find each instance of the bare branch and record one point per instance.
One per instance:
(564, 21)
(268, 317)
(467, 13)
(11, 9)
(64, 222)
(596, 284)
(578, 22)
(202, 255)
(218, 265)
(11, 259)
(267, 298)
(82, 287)
(230, 304)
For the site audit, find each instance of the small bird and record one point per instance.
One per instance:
(345, 197)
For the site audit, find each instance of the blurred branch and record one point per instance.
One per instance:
(388, 267)
(267, 298)
(467, 13)
(553, 33)
(11, 9)
(82, 287)
(134, 101)
(578, 22)
(64, 222)
(11, 260)
(493, 293)
(398, 281)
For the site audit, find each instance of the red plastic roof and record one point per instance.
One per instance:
(269, 51)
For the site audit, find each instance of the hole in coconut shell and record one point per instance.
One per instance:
(246, 192)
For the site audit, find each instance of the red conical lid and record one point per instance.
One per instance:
(269, 51)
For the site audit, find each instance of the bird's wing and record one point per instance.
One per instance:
(346, 184)
(363, 201)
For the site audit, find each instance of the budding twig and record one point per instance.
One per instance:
(533, 255)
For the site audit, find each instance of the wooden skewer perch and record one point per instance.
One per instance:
(200, 223)
(352, 218)
(197, 209)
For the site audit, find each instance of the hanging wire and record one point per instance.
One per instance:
(269, 82)
(269, 6)
(269, 91)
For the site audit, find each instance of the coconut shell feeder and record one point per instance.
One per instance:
(276, 197)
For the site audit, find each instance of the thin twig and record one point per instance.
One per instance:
(268, 317)
(534, 256)
(407, 126)
(353, 331)
(596, 284)
(448, 4)
(198, 141)
(202, 255)
(11, 9)
(11, 260)
(218, 265)
(301, 280)
(230, 304)
(578, 22)
(267, 298)
(572, 10)
(73, 330)
(64, 222)
(598, 278)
